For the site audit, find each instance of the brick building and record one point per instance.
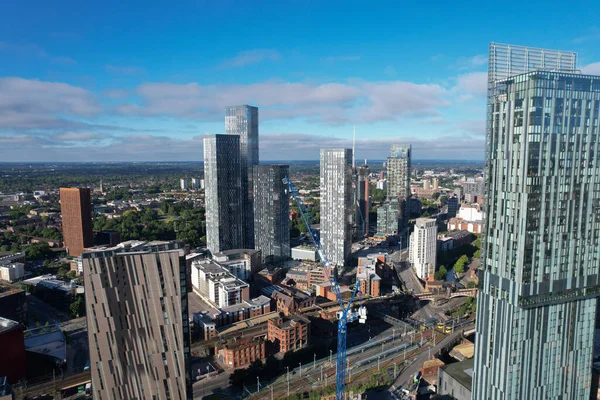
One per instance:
(76, 211)
(241, 353)
(12, 350)
(289, 300)
(290, 332)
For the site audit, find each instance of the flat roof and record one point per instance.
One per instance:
(6, 289)
(7, 324)
(461, 371)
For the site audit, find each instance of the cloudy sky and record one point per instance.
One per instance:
(114, 80)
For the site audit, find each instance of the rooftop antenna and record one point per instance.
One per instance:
(353, 147)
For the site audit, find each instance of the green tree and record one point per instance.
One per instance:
(36, 251)
(77, 308)
(459, 266)
(237, 378)
(477, 254)
(471, 285)
(440, 274)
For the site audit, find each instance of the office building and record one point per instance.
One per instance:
(242, 121)
(183, 184)
(224, 196)
(76, 211)
(363, 202)
(423, 247)
(195, 183)
(336, 204)
(539, 278)
(137, 321)
(452, 206)
(13, 303)
(271, 212)
(12, 272)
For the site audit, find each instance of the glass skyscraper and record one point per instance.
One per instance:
(243, 122)
(272, 212)
(223, 193)
(541, 253)
(336, 204)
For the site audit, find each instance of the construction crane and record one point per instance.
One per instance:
(345, 310)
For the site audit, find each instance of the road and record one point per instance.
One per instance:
(206, 386)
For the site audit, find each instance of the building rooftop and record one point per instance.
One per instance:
(462, 372)
(234, 252)
(133, 247)
(291, 321)
(7, 324)
(7, 289)
(463, 351)
(242, 343)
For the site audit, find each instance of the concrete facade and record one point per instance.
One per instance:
(137, 318)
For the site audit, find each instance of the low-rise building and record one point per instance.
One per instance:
(291, 333)
(456, 379)
(307, 253)
(12, 272)
(430, 369)
(13, 304)
(370, 282)
(12, 350)
(289, 300)
(242, 352)
(13, 258)
(272, 275)
(242, 263)
(216, 285)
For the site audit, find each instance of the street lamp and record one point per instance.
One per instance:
(315, 361)
(300, 369)
(330, 354)
(288, 380)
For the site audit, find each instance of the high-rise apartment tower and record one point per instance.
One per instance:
(336, 204)
(363, 202)
(242, 121)
(137, 321)
(76, 211)
(423, 247)
(541, 252)
(271, 212)
(223, 193)
(398, 180)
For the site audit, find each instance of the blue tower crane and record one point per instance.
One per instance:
(345, 310)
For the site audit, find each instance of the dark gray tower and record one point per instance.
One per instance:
(271, 212)
(242, 121)
(223, 193)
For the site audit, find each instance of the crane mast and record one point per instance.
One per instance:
(335, 287)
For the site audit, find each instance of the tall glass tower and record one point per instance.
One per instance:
(243, 122)
(541, 252)
(223, 193)
(336, 204)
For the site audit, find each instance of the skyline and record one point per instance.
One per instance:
(79, 82)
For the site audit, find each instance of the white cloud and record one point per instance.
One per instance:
(329, 102)
(473, 62)
(123, 69)
(473, 83)
(33, 50)
(115, 93)
(79, 136)
(248, 57)
(591, 69)
(38, 104)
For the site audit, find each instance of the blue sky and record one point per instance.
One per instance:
(113, 80)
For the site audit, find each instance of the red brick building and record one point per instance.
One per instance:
(291, 333)
(242, 352)
(12, 350)
(76, 210)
